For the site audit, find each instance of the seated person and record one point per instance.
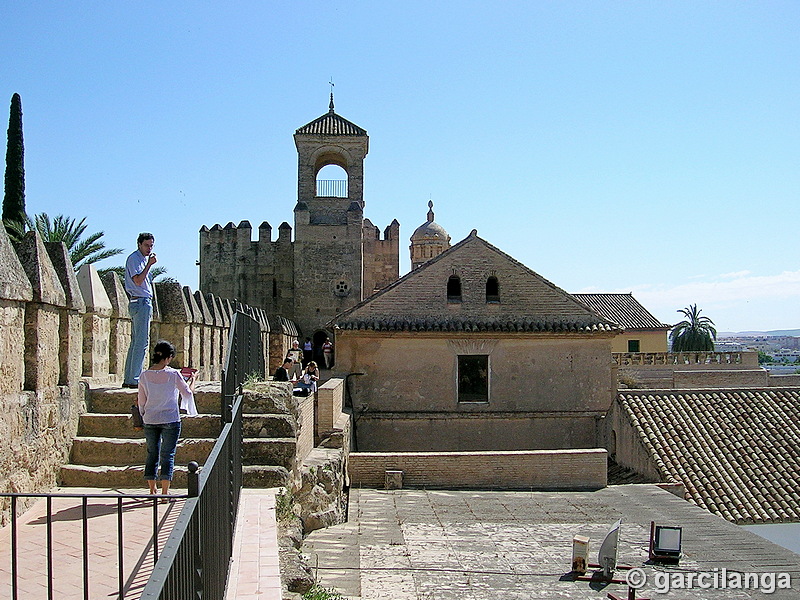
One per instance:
(309, 379)
(282, 372)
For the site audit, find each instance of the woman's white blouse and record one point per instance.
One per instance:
(158, 396)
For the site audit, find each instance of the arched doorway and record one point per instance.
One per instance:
(318, 340)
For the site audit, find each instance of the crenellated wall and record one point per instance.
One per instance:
(257, 272)
(381, 266)
(62, 332)
(327, 268)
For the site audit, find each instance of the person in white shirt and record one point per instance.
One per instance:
(159, 389)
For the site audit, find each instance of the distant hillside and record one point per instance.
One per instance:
(776, 332)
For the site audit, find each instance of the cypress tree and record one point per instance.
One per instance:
(14, 197)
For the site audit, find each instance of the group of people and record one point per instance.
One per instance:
(298, 367)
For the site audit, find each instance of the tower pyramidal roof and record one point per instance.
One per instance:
(331, 124)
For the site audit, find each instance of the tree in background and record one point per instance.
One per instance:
(64, 229)
(155, 273)
(14, 197)
(695, 333)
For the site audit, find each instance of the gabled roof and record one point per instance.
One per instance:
(527, 301)
(735, 451)
(623, 309)
(331, 124)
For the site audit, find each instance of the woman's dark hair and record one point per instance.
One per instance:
(163, 350)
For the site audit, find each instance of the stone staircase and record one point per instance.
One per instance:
(109, 453)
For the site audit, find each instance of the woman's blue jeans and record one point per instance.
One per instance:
(162, 440)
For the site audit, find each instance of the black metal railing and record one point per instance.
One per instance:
(197, 555)
(244, 358)
(195, 559)
(88, 503)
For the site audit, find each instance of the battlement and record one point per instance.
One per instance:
(243, 232)
(373, 233)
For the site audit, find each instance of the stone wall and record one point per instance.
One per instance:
(545, 390)
(522, 470)
(61, 332)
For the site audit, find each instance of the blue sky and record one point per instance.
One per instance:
(650, 147)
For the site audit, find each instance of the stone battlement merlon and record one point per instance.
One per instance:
(241, 232)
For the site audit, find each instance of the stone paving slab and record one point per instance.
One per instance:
(102, 534)
(425, 545)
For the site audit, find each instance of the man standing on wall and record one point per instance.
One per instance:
(140, 290)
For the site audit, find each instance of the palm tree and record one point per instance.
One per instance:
(64, 229)
(695, 333)
(155, 273)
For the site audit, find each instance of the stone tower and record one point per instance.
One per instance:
(428, 240)
(329, 221)
(337, 257)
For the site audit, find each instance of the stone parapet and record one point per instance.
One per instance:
(584, 469)
(120, 325)
(61, 331)
(96, 323)
(687, 360)
(330, 400)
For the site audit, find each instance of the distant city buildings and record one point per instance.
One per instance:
(782, 348)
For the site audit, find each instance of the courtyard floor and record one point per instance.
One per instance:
(442, 545)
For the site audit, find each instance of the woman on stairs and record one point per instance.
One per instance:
(159, 388)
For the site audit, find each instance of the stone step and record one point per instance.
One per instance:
(269, 451)
(115, 452)
(119, 400)
(120, 426)
(114, 400)
(115, 477)
(100, 451)
(258, 476)
(201, 426)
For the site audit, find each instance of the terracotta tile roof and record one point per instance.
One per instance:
(331, 124)
(393, 323)
(737, 452)
(528, 302)
(623, 309)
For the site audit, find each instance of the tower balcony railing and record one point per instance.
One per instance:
(332, 188)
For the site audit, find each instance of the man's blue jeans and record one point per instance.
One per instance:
(162, 440)
(141, 311)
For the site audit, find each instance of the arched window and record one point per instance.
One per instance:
(492, 290)
(332, 182)
(274, 288)
(454, 289)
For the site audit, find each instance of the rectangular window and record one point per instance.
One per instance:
(473, 378)
(633, 345)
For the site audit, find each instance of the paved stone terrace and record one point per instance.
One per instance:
(426, 545)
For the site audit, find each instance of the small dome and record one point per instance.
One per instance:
(430, 230)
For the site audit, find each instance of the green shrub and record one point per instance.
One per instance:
(321, 593)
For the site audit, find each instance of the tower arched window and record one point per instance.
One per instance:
(332, 182)
(454, 289)
(492, 290)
